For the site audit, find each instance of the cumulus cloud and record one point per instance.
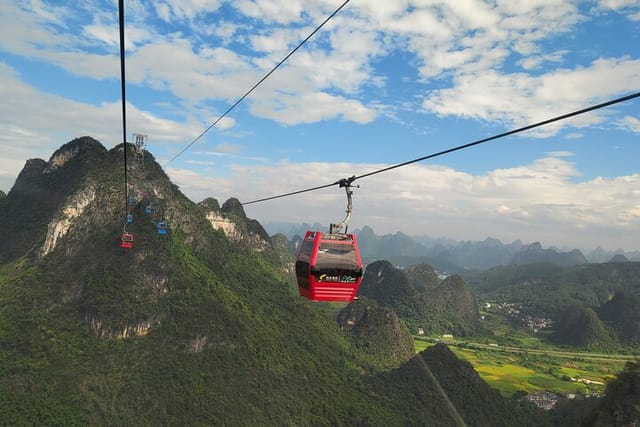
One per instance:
(629, 123)
(535, 61)
(520, 99)
(469, 38)
(617, 4)
(184, 9)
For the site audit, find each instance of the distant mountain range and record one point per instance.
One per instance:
(458, 256)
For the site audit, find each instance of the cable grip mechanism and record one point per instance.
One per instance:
(341, 227)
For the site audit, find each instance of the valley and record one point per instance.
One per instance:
(516, 360)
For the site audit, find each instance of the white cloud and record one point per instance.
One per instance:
(535, 61)
(281, 11)
(471, 38)
(519, 99)
(574, 135)
(184, 9)
(229, 148)
(618, 4)
(630, 123)
(310, 108)
(559, 154)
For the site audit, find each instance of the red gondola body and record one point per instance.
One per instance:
(328, 267)
(126, 240)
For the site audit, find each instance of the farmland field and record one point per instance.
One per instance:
(511, 369)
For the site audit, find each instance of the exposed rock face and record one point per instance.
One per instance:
(197, 344)
(228, 227)
(71, 210)
(233, 222)
(71, 149)
(42, 197)
(100, 330)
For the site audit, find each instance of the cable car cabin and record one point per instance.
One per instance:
(162, 227)
(126, 240)
(147, 210)
(129, 219)
(328, 267)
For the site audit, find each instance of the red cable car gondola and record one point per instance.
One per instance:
(126, 240)
(328, 266)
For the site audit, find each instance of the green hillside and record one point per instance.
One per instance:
(422, 300)
(581, 327)
(593, 306)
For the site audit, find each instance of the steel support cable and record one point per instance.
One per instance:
(124, 107)
(459, 147)
(511, 132)
(258, 83)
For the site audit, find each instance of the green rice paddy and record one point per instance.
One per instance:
(516, 360)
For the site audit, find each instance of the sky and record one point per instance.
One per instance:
(384, 82)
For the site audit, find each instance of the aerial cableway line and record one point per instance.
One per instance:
(126, 238)
(353, 178)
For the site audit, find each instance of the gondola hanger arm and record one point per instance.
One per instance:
(341, 227)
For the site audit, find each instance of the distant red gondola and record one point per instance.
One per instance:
(328, 267)
(126, 240)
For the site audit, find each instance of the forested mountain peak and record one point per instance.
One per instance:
(423, 277)
(422, 300)
(82, 147)
(234, 223)
(534, 253)
(378, 332)
(619, 258)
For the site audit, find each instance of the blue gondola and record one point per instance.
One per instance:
(130, 201)
(147, 210)
(162, 227)
(129, 219)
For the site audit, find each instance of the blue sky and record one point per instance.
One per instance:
(384, 82)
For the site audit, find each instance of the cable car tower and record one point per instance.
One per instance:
(139, 142)
(328, 266)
